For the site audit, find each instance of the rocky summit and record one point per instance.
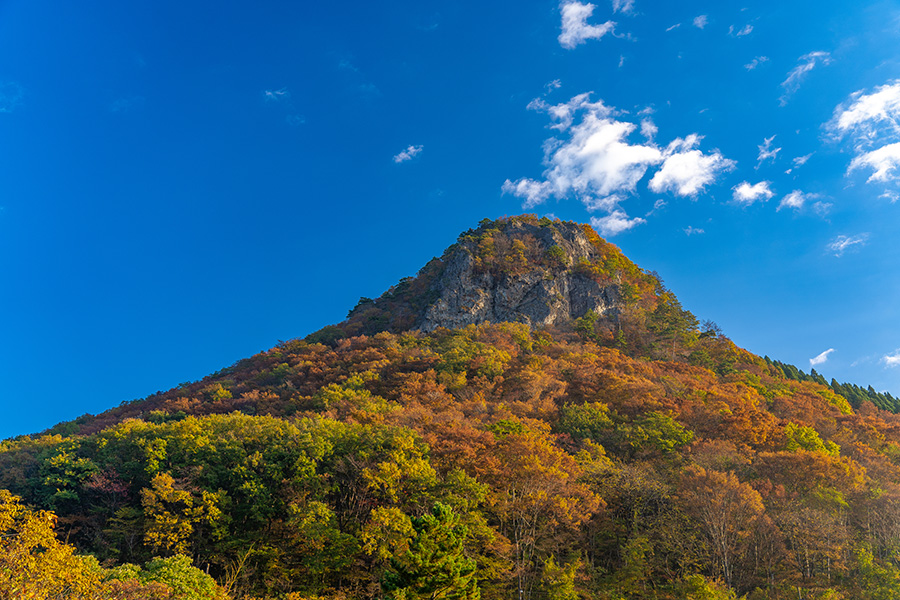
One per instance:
(520, 269)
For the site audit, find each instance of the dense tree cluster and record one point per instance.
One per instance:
(491, 461)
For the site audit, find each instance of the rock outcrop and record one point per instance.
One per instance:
(520, 269)
(540, 295)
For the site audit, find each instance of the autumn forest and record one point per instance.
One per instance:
(629, 453)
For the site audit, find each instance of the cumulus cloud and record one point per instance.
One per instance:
(623, 6)
(842, 243)
(756, 62)
(593, 159)
(821, 358)
(746, 194)
(686, 170)
(575, 28)
(891, 360)
(745, 30)
(883, 162)
(410, 153)
(700, 21)
(532, 192)
(872, 122)
(615, 223)
(866, 116)
(807, 63)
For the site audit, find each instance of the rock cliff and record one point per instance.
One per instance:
(521, 269)
(541, 294)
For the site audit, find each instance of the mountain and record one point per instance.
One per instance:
(531, 416)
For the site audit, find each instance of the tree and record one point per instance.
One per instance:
(434, 565)
(727, 512)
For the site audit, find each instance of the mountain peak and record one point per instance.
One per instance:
(519, 269)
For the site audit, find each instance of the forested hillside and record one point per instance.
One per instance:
(627, 453)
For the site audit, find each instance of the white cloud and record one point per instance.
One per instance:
(801, 160)
(821, 358)
(533, 192)
(276, 95)
(553, 85)
(575, 29)
(872, 121)
(890, 195)
(807, 63)
(746, 194)
(686, 170)
(623, 6)
(766, 152)
(649, 129)
(593, 159)
(689, 230)
(11, 95)
(410, 153)
(615, 223)
(295, 120)
(882, 161)
(797, 199)
(822, 208)
(891, 360)
(842, 243)
(867, 115)
(673, 27)
(597, 160)
(756, 62)
(700, 21)
(745, 30)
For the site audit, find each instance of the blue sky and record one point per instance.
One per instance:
(185, 184)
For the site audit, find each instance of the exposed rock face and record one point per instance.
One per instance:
(540, 295)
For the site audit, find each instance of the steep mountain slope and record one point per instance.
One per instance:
(516, 421)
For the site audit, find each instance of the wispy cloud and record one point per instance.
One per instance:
(735, 32)
(11, 96)
(124, 105)
(799, 162)
(575, 28)
(593, 160)
(690, 230)
(821, 359)
(700, 21)
(843, 243)
(673, 27)
(766, 151)
(746, 194)
(276, 95)
(615, 223)
(806, 63)
(410, 153)
(552, 85)
(623, 6)
(891, 360)
(795, 200)
(756, 62)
